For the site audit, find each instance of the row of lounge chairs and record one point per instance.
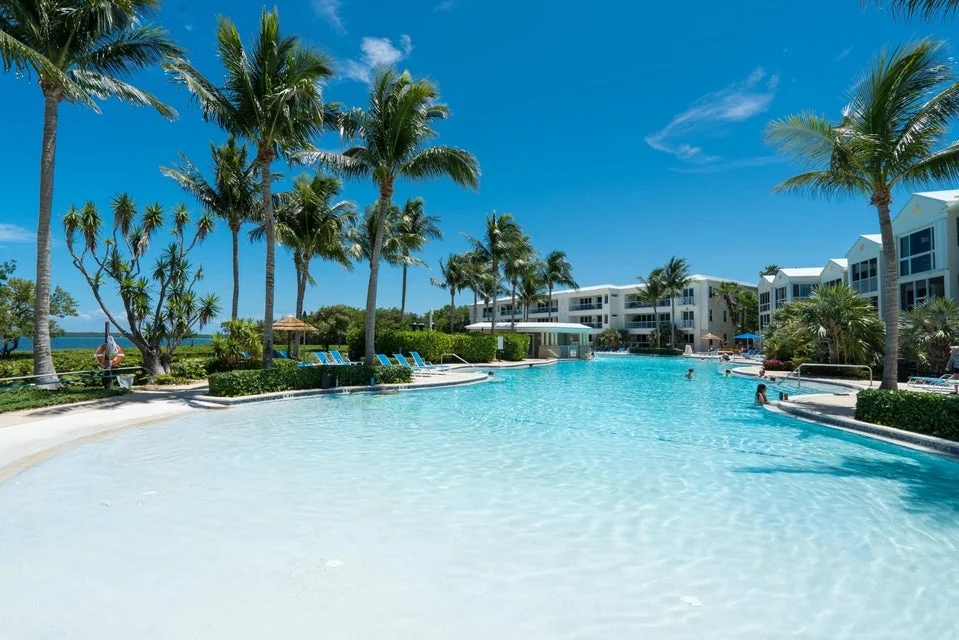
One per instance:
(947, 382)
(418, 365)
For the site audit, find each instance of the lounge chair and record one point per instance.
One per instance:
(415, 367)
(384, 360)
(339, 359)
(281, 354)
(923, 380)
(321, 358)
(425, 364)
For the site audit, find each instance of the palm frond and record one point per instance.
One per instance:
(824, 184)
(103, 86)
(440, 161)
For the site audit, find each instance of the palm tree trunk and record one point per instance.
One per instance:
(403, 290)
(475, 302)
(42, 354)
(672, 321)
(492, 321)
(549, 305)
(656, 320)
(890, 292)
(301, 269)
(512, 317)
(452, 310)
(265, 153)
(235, 230)
(386, 192)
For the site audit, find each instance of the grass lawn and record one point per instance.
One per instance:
(17, 399)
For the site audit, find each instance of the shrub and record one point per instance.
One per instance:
(773, 364)
(475, 347)
(164, 379)
(288, 377)
(927, 413)
(654, 351)
(188, 370)
(515, 347)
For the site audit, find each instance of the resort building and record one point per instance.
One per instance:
(789, 284)
(865, 266)
(698, 311)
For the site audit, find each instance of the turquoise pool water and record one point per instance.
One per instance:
(605, 499)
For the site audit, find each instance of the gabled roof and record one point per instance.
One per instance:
(842, 262)
(802, 272)
(768, 278)
(950, 195)
(872, 237)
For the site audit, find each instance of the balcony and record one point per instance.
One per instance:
(866, 285)
(688, 300)
(593, 325)
(544, 310)
(687, 324)
(641, 325)
(636, 304)
(587, 306)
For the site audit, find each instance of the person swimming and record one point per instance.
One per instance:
(728, 373)
(689, 374)
(761, 395)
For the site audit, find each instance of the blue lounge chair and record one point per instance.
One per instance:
(420, 362)
(415, 367)
(338, 359)
(321, 358)
(942, 381)
(384, 360)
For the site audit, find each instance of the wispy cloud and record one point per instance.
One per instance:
(330, 11)
(736, 103)
(742, 163)
(13, 233)
(377, 52)
(842, 54)
(446, 5)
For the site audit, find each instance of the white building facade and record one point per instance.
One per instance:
(698, 311)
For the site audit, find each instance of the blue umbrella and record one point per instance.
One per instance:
(748, 336)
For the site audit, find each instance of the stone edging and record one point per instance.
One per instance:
(929, 444)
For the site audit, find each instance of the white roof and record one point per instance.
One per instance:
(842, 262)
(872, 237)
(950, 195)
(802, 272)
(769, 278)
(534, 327)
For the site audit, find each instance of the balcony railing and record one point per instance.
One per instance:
(687, 324)
(688, 300)
(544, 310)
(593, 325)
(641, 325)
(866, 285)
(586, 306)
(764, 308)
(636, 304)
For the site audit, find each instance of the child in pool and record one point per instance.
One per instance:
(689, 374)
(761, 395)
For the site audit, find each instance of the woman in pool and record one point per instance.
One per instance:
(761, 395)
(689, 374)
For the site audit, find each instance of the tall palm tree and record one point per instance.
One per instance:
(531, 285)
(415, 229)
(270, 96)
(392, 142)
(519, 255)
(729, 292)
(474, 272)
(453, 280)
(81, 51)
(675, 276)
(928, 331)
(499, 235)
(557, 270)
(898, 114)
(747, 309)
(311, 225)
(652, 291)
(231, 195)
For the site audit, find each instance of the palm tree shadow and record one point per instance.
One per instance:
(928, 487)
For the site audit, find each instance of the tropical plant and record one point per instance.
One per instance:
(231, 195)
(747, 309)
(899, 112)
(531, 285)
(927, 9)
(769, 270)
(453, 280)
(652, 291)
(332, 323)
(475, 273)
(557, 270)
(311, 225)
(519, 256)
(500, 234)
(393, 136)
(675, 276)
(415, 229)
(271, 97)
(610, 339)
(233, 345)
(81, 51)
(160, 306)
(928, 331)
(730, 292)
(17, 303)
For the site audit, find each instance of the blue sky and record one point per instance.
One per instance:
(618, 132)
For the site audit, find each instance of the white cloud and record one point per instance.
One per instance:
(842, 54)
(446, 5)
(732, 164)
(13, 233)
(377, 52)
(736, 103)
(329, 10)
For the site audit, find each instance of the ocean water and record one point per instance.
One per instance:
(604, 499)
(92, 342)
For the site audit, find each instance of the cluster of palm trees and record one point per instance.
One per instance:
(503, 260)
(82, 51)
(664, 283)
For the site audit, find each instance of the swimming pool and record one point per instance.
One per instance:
(605, 499)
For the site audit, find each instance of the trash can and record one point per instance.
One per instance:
(329, 381)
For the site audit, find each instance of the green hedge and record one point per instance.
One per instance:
(656, 351)
(515, 347)
(475, 347)
(931, 414)
(432, 345)
(287, 378)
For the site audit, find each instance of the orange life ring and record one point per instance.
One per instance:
(101, 356)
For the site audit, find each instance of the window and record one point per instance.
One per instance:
(780, 297)
(916, 253)
(710, 291)
(764, 301)
(606, 299)
(801, 291)
(606, 319)
(710, 315)
(688, 319)
(914, 293)
(724, 315)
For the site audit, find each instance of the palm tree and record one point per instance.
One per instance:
(492, 248)
(519, 255)
(271, 96)
(231, 195)
(557, 270)
(844, 321)
(453, 280)
(474, 272)
(312, 226)
(675, 277)
(652, 291)
(747, 308)
(393, 137)
(81, 51)
(531, 285)
(927, 9)
(898, 113)
(769, 270)
(730, 293)
(415, 230)
(928, 331)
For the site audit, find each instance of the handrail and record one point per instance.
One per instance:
(468, 364)
(798, 371)
(99, 373)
